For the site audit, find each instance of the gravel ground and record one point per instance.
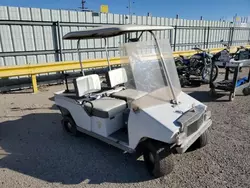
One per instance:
(35, 152)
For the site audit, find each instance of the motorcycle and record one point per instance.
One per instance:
(241, 53)
(198, 65)
(223, 57)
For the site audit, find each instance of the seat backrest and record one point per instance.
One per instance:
(87, 84)
(116, 77)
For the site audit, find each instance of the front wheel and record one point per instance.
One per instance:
(201, 141)
(206, 73)
(158, 160)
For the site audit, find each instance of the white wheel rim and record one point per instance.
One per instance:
(69, 125)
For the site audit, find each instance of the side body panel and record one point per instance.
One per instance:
(79, 115)
(100, 126)
(106, 126)
(141, 125)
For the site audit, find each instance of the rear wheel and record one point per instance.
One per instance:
(158, 160)
(69, 126)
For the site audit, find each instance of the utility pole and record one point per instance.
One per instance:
(129, 10)
(83, 4)
(83, 8)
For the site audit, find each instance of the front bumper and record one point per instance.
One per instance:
(184, 142)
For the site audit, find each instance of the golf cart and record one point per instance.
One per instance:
(141, 108)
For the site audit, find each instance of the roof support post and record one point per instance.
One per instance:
(107, 53)
(79, 55)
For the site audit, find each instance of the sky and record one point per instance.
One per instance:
(186, 9)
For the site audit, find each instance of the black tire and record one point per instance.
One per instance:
(215, 74)
(201, 141)
(231, 96)
(246, 91)
(212, 92)
(69, 126)
(158, 160)
(183, 81)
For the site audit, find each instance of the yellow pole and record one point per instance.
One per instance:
(34, 83)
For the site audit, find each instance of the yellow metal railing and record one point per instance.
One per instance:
(33, 70)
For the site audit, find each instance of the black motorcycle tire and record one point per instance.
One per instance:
(215, 75)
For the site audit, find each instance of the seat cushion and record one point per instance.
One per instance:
(129, 94)
(116, 77)
(105, 107)
(87, 84)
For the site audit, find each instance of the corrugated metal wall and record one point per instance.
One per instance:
(32, 35)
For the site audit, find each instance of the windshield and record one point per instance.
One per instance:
(145, 71)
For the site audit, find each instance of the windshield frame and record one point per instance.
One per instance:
(165, 70)
(161, 60)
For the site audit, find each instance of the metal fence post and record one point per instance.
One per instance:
(171, 37)
(175, 32)
(249, 37)
(232, 36)
(57, 46)
(60, 53)
(208, 29)
(229, 36)
(205, 32)
(59, 40)
(55, 40)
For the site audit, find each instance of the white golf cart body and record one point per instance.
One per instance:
(144, 96)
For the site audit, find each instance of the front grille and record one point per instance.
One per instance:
(194, 126)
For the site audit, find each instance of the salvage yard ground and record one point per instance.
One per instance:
(36, 152)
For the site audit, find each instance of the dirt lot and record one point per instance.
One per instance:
(35, 152)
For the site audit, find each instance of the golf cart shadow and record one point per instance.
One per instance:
(36, 145)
